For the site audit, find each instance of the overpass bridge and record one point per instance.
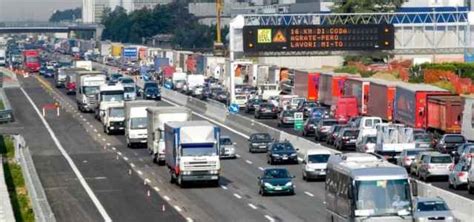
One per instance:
(51, 27)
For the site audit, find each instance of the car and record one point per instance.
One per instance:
(286, 118)
(152, 93)
(333, 132)
(308, 126)
(407, 157)
(435, 164)
(464, 151)
(259, 142)
(227, 149)
(306, 107)
(276, 181)
(449, 142)
(319, 113)
(126, 80)
(416, 163)
(458, 175)
(266, 110)
(431, 208)
(222, 96)
(367, 144)
(282, 152)
(347, 138)
(322, 129)
(197, 91)
(253, 104)
(49, 73)
(314, 164)
(422, 140)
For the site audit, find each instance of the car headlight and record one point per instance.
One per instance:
(289, 184)
(254, 144)
(275, 155)
(293, 154)
(450, 218)
(231, 149)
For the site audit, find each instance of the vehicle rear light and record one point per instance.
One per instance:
(406, 159)
(469, 155)
(461, 174)
(177, 170)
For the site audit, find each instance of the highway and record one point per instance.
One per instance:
(236, 199)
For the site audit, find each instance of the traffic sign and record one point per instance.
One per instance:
(234, 108)
(299, 120)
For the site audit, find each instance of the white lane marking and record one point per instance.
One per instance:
(238, 196)
(71, 163)
(125, 158)
(188, 219)
(300, 159)
(252, 206)
(223, 187)
(95, 130)
(309, 194)
(213, 121)
(261, 168)
(237, 155)
(147, 181)
(269, 218)
(132, 165)
(103, 139)
(113, 148)
(119, 153)
(248, 161)
(177, 208)
(166, 198)
(108, 144)
(156, 189)
(138, 171)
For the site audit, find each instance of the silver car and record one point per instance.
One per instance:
(431, 209)
(458, 175)
(406, 157)
(435, 164)
(227, 149)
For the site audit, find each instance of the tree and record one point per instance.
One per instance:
(367, 6)
(66, 15)
(117, 25)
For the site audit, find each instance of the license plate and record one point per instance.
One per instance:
(285, 157)
(214, 177)
(352, 141)
(278, 188)
(263, 147)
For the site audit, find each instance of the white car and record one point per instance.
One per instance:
(470, 180)
(227, 147)
(315, 164)
(367, 144)
(458, 175)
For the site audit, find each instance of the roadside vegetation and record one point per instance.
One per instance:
(19, 198)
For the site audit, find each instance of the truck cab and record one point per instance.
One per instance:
(108, 94)
(87, 87)
(136, 122)
(113, 118)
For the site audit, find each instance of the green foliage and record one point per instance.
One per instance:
(445, 85)
(172, 18)
(347, 69)
(464, 70)
(66, 15)
(367, 74)
(361, 6)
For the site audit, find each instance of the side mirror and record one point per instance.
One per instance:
(414, 187)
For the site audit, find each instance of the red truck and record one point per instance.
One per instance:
(31, 61)
(445, 113)
(331, 87)
(381, 97)
(307, 85)
(359, 88)
(410, 106)
(345, 108)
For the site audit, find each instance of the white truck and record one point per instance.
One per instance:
(113, 118)
(193, 81)
(87, 65)
(3, 57)
(108, 94)
(178, 79)
(392, 139)
(157, 117)
(192, 152)
(87, 87)
(136, 121)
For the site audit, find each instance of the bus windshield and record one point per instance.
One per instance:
(382, 198)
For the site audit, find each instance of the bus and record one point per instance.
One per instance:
(364, 187)
(31, 61)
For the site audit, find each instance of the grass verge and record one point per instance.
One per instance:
(16, 184)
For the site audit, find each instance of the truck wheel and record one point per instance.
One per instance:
(172, 178)
(161, 163)
(154, 158)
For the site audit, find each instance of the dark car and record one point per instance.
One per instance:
(252, 104)
(115, 77)
(319, 113)
(347, 138)
(333, 132)
(322, 129)
(222, 96)
(460, 150)
(266, 110)
(308, 127)
(149, 84)
(282, 152)
(276, 181)
(449, 143)
(49, 73)
(152, 93)
(259, 142)
(306, 108)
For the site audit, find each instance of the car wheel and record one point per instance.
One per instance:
(250, 150)
(261, 192)
(304, 177)
(279, 124)
(303, 134)
(450, 185)
(292, 193)
(455, 186)
(470, 189)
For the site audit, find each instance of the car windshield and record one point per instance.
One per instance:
(441, 159)
(117, 112)
(225, 141)
(288, 113)
(282, 147)
(151, 90)
(261, 137)
(268, 106)
(90, 90)
(129, 89)
(112, 96)
(351, 133)
(318, 158)
(202, 150)
(431, 206)
(371, 139)
(454, 139)
(151, 84)
(126, 80)
(422, 138)
(329, 122)
(382, 197)
(138, 123)
(314, 121)
(276, 174)
(413, 152)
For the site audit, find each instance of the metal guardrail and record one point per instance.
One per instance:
(39, 202)
(6, 115)
(6, 210)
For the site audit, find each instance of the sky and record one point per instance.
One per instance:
(33, 10)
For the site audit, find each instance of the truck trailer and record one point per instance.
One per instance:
(192, 152)
(157, 117)
(381, 99)
(445, 113)
(331, 86)
(359, 88)
(307, 85)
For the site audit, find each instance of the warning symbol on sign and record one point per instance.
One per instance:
(279, 37)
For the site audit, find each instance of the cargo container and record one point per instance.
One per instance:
(381, 98)
(160, 63)
(117, 49)
(142, 53)
(359, 88)
(345, 108)
(306, 84)
(467, 126)
(331, 86)
(410, 106)
(445, 113)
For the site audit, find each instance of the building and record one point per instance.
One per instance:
(139, 4)
(87, 11)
